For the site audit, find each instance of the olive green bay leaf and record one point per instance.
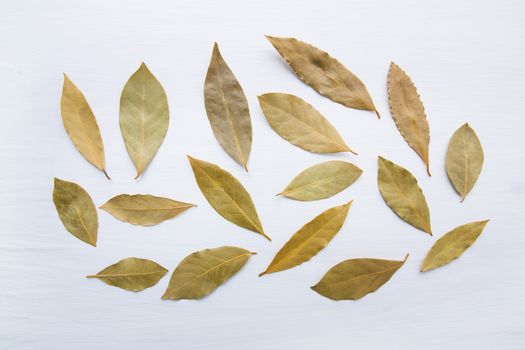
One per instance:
(452, 245)
(145, 210)
(226, 195)
(301, 124)
(76, 210)
(227, 109)
(353, 279)
(144, 117)
(464, 160)
(132, 274)
(403, 195)
(408, 112)
(322, 180)
(200, 273)
(310, 239)
(323, 73)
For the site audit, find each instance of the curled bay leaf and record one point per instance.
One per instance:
(144, 117)
(301, 124)
(76, 210)
(452, 245)
(81, 125)
(227, 109)
(322, 180)
(226, 195)
(464, 160)
(403, 195)
(132, 274)
(310, 239)
(408, 112)
(200, 273)
(353, 279)
(324, 74)
(145, 210)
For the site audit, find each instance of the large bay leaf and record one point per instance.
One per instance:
(227, 109)
(408, 112)
(309, 240)
(144, 117)
(76, 210)
(353, 279)
(145, 210)
(464, 160)
(301, 124)
(452, 245)
(132, 274)
(81, 125)
(322, 180)
(226, 195)
(324, 74)
(403, 195)
(200, 273)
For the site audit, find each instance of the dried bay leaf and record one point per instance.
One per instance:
(132, 274)
(301, 124)
(452, 245)
(226, 195)
(76, 210)
(145, 210)
(408, 112)
(403, 195)
(144, 117)
(322, 180)
(323, 73)
(353, 279)
(200, 273)
(464, 160)
(309, 240)
(227, 109)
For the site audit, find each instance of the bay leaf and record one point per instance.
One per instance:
(408, 112)
(144, 117)
(323, 73)
(464, 160)
(301, 124)
(81, 125)
(322, 180)
(226, 195)
(403, 195)
(200, 273)
(353, 279)
(76, 210)
(227, 109)
(310, 239)
(452, 245)
(132, 274)
(145, 210)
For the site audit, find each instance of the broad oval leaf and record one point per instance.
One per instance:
(144, 117)
(145, 210)
(81, 125)
(227, 109)
(322, 181)
(324, 74)
(309, 240)
(76, 210)
(353, 279)
(408, 112)
(132, 274)
(200, 273)
(464, 160)
(452, 245)
(301, 124)
(403, 195)
(226, 195)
